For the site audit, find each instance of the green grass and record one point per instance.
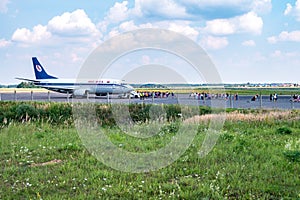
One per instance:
(251, 160)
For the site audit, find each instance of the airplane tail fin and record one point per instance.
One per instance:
(39, 71)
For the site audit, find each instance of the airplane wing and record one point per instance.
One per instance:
(26, 79)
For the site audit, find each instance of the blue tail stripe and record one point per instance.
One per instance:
(39, 71)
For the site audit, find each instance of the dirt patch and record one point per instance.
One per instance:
(52, 162)
(235, 116)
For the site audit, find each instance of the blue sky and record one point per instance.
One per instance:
(248, 40)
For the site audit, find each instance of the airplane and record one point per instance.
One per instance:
(101, 87)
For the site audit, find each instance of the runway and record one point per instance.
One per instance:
(244, 101)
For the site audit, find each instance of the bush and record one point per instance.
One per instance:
(205, 110)
(139, 112)
(62, 113)
(105, 115)
(173, 112)
(26, 112)
(59, 113)
(284, 130)
(293, 156)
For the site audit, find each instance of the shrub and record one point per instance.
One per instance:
(284, 130)
(173, 112)
(205, 110)
(25, 112)
(59, 113)
(139, 112)
(293, 156)
(105, 115)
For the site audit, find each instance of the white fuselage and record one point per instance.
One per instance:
(82, 87)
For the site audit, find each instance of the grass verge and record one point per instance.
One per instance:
(253, 159)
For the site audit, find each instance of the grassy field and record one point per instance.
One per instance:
(257, 156)
(231, 90)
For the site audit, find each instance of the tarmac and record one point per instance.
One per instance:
(244, 101)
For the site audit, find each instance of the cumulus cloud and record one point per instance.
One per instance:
(293, 10)
(74, 23)
(285, 54)
(220, 27)
(75, 26)
(276, 54)
(184, 29)
(3, 5)
(261, 6)
(288, 9)
(214, 43)
(4, 43)
(175, 15)
(179, 15)
(192, 9)
(284, 36)
(249, 23)
(38, 33)
(165, 9)
(217, 8)
(119, 12)
(249, 43)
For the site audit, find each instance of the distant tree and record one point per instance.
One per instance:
(26, 85)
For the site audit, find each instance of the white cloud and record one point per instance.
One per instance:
(112, 33)
(184, 29)
(288, 9)
(276, 54)
(284, 55)
(38, 33)
(76, 23)
(119, 12)
(218, 2)
(75, 58)
(4, 43)
(74, 27)
(285, 36)
(295, 11)
(127, 26)
(166, 9)
(3, 5)
(237, 6)
(177, 11)
(262, 6)
(210, 42)
(272, 40)
(249, 43)
(249, 23)
(230, 7)
(220, 27)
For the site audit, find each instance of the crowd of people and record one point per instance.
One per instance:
(273, 97)
(157, 94)
(295, 98)
(204, 95)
